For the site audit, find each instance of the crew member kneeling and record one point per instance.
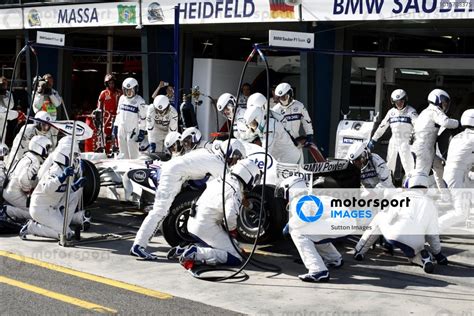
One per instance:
(206, 224)
(48, 200)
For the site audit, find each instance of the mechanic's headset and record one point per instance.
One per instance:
(240, 274)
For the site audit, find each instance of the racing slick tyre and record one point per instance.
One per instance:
(92, 185)
(274, 216)
(174, 227)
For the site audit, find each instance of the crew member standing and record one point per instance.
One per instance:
(107, 103)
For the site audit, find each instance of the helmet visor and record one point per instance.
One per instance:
(445, 103)
(399, 104)
(253, 125)
(44, 127)
(235, 156)
(129, 92)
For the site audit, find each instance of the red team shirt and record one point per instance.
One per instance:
(110, 100)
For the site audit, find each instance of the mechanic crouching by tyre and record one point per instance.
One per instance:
(161, 119)
(191, 166)
(48, 200)
(23, 179)
(317, 256)
(129, 126)
(374, 172)
(408, 227)
(206, 224)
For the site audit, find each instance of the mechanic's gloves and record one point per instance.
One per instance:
(152, 147)
(309, 140)
(78, 184)
(115, 131)
(141, 136)
(68, 172)
(371, 144)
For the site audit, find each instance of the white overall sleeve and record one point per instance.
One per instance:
(306, 121)
(382, 127)
(444, 121)
(173, 127)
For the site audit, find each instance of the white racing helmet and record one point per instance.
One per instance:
(467, 118)
(255, 113)
(61, 154)
(236, 151)
(161, 103)
(399, 95)
(3, 150)
(190, 137)
(417, 180)
(257, 100)
(440, 98)
(173, 142)
(40, 145)
(358, 154)
(130, 87)
(226, 104)
(291, 183)
(226, 100)
(41, 121)
(247, 172)
(284, 92)
(43, 116)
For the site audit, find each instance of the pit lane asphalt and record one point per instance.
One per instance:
(28, 289)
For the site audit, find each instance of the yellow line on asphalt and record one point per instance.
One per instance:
(57, 296)
(87, 276)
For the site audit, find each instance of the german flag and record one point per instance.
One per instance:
(278, 9)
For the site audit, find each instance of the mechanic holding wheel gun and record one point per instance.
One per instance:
(194, 165)
(206, 224)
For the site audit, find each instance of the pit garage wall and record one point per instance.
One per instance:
(316, 81)
(215, 77)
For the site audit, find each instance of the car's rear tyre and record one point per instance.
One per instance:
(92, 185)
(274, 217)
(174, 227)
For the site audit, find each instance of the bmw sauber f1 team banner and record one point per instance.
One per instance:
(361, 10)
(156, 12)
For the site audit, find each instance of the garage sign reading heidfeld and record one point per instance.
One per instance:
(291, 39)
